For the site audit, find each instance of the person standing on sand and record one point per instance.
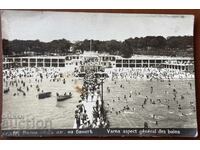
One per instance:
(84, 116)
(146, 125)
(190, 84)
(77, 117)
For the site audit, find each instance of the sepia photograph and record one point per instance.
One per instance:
(79, 71)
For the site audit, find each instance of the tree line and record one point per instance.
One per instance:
(149, 45)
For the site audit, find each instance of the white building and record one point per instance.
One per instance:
(101, 60)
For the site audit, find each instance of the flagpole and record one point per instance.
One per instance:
(90, 45)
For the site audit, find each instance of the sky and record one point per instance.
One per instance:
(74, 26)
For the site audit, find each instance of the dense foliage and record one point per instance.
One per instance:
(149, 45)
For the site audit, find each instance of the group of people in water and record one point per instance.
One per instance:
(26, 79)
(148, 73)
(139, 100)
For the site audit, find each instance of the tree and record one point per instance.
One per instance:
(6, 49)
(127, 51)
(149, 45)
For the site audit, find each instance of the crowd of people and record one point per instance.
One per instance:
(171, 98)
(25, 79)
(95, 115)
(91, 96)
(148, 73)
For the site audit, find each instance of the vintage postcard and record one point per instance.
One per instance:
(97, 74)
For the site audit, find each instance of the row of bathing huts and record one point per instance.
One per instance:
(102, 60)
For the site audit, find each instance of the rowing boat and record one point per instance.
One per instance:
(44, 95)
(64, 97)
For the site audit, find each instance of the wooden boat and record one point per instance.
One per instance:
(64, 97)
(44, 95)
(6, 90)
